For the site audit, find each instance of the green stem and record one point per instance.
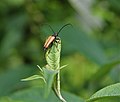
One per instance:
(57, 87)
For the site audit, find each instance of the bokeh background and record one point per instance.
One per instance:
(91, 48)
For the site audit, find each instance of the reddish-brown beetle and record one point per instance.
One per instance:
(52, 38)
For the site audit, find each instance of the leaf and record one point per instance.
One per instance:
(41, 70)
(111, 91)
(104, 70)
(34, 77)
(37, 95)
(49, 77)
(62, 67)
(8, 99)
(10, 80)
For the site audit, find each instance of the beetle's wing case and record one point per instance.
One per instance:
(49, 41)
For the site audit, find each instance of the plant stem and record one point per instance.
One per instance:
(57, 87)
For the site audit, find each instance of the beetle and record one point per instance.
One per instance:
(52, 37)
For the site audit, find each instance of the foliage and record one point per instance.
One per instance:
(109, 91)
(91, 49)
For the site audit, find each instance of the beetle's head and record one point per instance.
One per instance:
(55, 34)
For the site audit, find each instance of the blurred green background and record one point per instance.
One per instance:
(91, 48)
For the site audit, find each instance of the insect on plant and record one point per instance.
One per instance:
(50, 73)
(53, 48)
(53, 37)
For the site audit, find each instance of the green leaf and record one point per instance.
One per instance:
(111, 91)
(41, 70)
(53, 54)
(10, 80)
(8, 99)
(49, 77)
(34, 77)
(37, 95)
(104, 70)
(62, 67)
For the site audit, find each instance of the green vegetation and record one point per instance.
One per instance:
(91, 49)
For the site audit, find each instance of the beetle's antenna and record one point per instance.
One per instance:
(63, 27)
(50, 28)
